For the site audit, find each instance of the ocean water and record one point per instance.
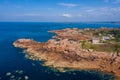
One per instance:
(15, 66)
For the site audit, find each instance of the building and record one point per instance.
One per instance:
(95, 40)
(104, 38)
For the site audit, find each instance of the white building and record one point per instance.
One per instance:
(95, 40)
(104, 38)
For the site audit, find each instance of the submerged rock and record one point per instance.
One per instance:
(20, 72)
(8, 74)
(19, 78)
(13, 76)
(26, 77)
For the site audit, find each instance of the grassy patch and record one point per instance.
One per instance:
(100, 47)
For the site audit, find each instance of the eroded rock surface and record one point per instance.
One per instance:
(67, 52)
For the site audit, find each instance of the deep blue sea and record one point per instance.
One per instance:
(15, 66)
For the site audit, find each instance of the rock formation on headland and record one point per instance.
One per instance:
(66, 50)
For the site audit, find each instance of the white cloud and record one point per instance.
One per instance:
(67, 4)
(112, 1)
(105, 12)
(117, 1)
(67, 15)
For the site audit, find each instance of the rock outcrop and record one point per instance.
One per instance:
(67, 53)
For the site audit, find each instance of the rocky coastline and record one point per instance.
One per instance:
(65, 51)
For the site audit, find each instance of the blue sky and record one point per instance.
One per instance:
(59, 10)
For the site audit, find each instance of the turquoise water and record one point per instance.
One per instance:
(12, 60)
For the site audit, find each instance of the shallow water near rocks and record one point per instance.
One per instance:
(14, 65)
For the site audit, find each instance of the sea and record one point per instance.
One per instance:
(15, 66)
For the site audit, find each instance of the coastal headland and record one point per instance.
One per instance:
(91, 49)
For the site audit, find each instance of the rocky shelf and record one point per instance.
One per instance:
(66, 50)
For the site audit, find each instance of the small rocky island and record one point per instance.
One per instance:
(82, 49)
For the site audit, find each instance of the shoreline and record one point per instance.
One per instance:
(67, 52)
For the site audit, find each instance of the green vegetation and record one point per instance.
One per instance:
(116, 49)
(116, 34)
(109, 40)
(100, 47)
